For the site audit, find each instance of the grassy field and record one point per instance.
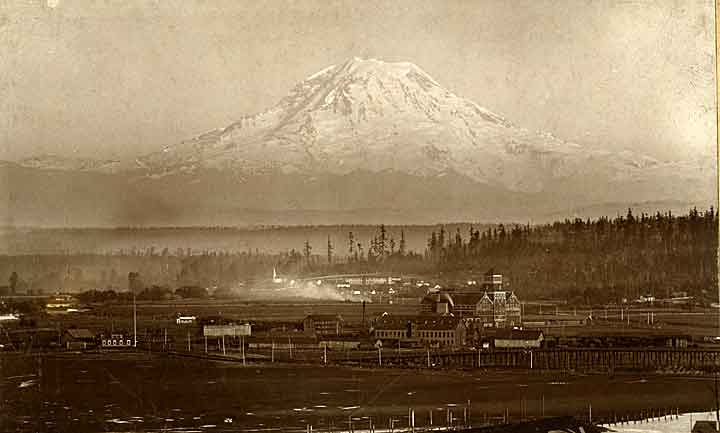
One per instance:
(131, 392)
(160, 317)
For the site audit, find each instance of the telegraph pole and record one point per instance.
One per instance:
(132, 282)
(134, 320)
(717, 402)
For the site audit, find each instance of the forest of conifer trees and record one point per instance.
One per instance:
(593, 260)
(583, 261)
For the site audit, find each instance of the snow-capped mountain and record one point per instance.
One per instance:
(373, 115)
(369, 120)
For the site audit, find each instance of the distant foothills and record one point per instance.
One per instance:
(582, 260)
(361, 142)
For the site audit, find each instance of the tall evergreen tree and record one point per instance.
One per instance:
(329, 251)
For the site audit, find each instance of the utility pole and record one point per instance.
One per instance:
(717, 402)
(467, 414)
(134, 318)
(531, 360)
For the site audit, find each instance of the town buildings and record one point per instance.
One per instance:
(115, 340)
(486, 303)
(518, 339)
(230, 330)
(421, 330)
(78, 339)
(185, 320)
(323, 324)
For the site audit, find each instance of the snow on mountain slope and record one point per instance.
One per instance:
(373, 134)
(374, 115)
(57, 162)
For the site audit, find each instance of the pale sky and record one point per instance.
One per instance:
(116, 78)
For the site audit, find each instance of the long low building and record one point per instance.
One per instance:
(553, 321)
(423, 330)
(518, 339)
(243, 330)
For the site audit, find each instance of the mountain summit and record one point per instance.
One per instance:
(369, 134)
(376, 116)
(362, 114)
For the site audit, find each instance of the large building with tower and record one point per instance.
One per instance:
(487, 303)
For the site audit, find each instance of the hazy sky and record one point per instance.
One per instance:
(113, 78)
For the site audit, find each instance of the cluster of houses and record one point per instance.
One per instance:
(413, 331)
(449, 332)
(486, 304)
(84, 339)
(482, 316)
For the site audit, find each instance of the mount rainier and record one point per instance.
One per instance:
(364, 141)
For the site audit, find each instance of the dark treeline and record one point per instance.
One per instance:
(592, 261)
(82, 272)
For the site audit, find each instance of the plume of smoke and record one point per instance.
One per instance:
(314, 291)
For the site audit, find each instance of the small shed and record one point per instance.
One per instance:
(79, 339)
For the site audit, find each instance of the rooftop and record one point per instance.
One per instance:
(80, 334)
(419, 322)
(323, 317)
(518, 334)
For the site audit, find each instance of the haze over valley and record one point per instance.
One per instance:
(361, 142)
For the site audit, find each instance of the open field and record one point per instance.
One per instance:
(697, 323)
(159, 315)
(139, 392)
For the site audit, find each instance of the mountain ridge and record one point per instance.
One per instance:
(361, 119)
